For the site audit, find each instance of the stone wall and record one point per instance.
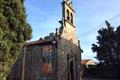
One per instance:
(34, 64)
(67, 52)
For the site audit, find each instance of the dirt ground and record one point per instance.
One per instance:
(98, 79)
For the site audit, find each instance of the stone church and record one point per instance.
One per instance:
(54, 57)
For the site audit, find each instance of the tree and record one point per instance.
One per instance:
(14, 32)
(108, 45)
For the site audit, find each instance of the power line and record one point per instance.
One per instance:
(92, 30)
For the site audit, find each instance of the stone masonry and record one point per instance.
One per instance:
(56, 57)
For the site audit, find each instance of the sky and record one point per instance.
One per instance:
(43, 16)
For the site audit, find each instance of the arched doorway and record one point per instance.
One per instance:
(70, 65)
(72, 70)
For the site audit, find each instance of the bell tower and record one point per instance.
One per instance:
(68, 45)
(67, 30)
(68, 12)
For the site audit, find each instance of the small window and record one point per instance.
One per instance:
(68, 18)
(71, 18)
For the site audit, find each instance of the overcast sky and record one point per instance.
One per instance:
(43, 15)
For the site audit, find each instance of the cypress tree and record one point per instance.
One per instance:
(14, 32)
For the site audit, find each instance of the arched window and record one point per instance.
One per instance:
(71, 18)
(68, 18)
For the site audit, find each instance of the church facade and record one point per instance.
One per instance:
(56, 57)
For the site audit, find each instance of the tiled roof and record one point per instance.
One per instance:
(46, 39)
(38, 42)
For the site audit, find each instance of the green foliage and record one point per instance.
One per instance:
(14, 32)
(108, 45)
